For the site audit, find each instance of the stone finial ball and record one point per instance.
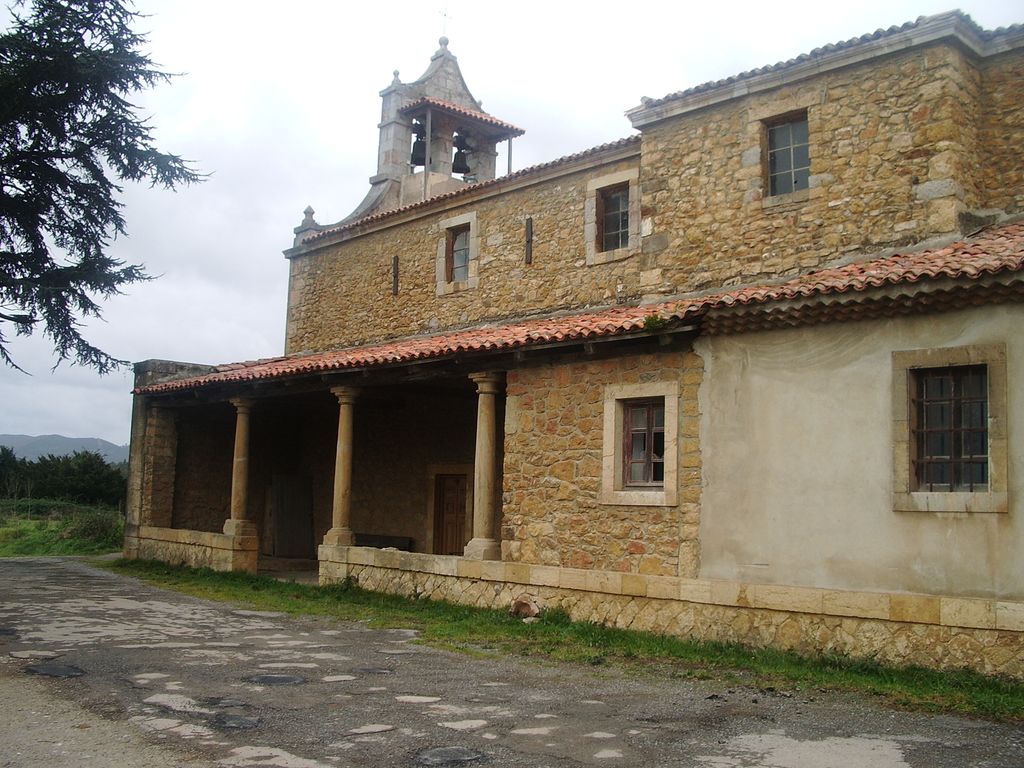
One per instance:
(443, 41)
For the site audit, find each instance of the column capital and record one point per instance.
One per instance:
(345, 395)
(488, 382)
(242, 404)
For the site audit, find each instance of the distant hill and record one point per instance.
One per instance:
(31, 447)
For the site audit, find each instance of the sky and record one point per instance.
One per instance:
(279, 104)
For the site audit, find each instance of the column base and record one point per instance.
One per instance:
(239, 527)
(482, 549)
(339, 537)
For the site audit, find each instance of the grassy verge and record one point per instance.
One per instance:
(48, 527)
(555, 637)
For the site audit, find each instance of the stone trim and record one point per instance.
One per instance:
(594, 186)
(445, 287)
(904, 497)
(966, 612)
(612, 487)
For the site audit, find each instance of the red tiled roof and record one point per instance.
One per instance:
(447, 106)
(374, 217)
(831, 48)
(997, 250)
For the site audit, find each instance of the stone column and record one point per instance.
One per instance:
(341, 525)
(238, 524)
(484, 545)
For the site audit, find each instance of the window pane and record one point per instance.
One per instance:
(779, 161)
(778, 136)
(937, 386)
(781, 185)
(636, 473)
(798, 132)
(975, 473)
(461, 241)
(638, 446)
(937, 416)
(658, 472)
(936, 444)
(659, 445)
(936, 474)
(975, 384)
(801, 179)
(974, 444)
(638, 418)
(659, 416)
(973, 414)
(801, 158)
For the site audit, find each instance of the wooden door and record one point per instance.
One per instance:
(292, 497)
(449, 514)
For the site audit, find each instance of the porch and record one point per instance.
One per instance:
(268, 479)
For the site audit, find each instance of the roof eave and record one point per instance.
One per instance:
(944, 27)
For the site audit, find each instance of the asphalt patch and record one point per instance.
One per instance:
(447, 756)
(373, 670)
(277, 680)
(61, 671)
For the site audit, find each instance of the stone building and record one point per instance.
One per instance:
(751, 374)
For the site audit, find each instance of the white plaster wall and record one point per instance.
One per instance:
(796, 436)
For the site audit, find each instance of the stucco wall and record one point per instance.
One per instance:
(796, 436)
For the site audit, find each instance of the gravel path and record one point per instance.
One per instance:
(98, 669)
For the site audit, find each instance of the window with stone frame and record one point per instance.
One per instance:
(643, 443)
(950, 446)
(949, 428)
(640, 458)
(458, 254)
(789, 161)
(613, 217)
(456, 258)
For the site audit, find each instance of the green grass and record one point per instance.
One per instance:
(48, 527)
(478, 631)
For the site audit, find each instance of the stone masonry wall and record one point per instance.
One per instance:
(158, 467)
(891, 142)
(1002, 133)
(202, 492)
(341, 295)
(553, 467)
(901, 147)
(390, 492)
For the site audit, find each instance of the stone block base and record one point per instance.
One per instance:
(906, 629)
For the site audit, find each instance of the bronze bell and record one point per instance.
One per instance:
(419, 147)
(461, 164)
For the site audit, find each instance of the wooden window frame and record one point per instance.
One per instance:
(650, 463)
(789, 119)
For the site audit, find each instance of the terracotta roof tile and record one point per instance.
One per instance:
(447, 106)
(997, 250)
(374, 217)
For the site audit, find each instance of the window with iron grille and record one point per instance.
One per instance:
(949, 428)
(613, 218)
(457, 254)
(643, 449)
(789, 160)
